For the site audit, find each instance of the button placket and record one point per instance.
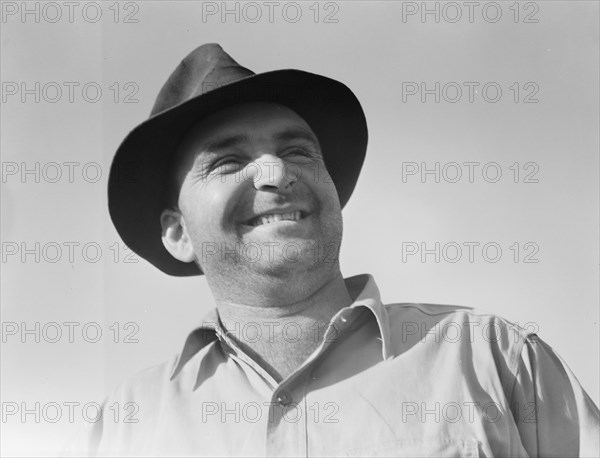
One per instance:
(286, 432)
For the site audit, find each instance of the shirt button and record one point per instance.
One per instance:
(284, 398)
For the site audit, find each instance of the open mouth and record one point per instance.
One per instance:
(276, 217)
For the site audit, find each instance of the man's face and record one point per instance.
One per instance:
(256, 196)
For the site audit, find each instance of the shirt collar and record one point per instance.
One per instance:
(362, 287)
(366, 293)
(207, 332)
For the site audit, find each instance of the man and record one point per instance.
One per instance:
(242, 177)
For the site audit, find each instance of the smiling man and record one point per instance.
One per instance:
(242, 178)
(249, 203)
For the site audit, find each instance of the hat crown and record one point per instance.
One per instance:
(205, 69)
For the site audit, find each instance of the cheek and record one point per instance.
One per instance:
(208, 210)
(329, 192)
(331, 201)
(317, 177)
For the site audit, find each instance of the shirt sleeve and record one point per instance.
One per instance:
(554, 415)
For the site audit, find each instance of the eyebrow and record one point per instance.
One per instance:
(225, 142)
(231, 141)
(296, 133)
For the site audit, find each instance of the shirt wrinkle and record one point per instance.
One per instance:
(515, 362)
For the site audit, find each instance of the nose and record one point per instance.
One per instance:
(270, 172)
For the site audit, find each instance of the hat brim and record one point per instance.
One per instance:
(137, 181)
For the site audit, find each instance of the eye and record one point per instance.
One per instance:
(226, 163)
(298, 152)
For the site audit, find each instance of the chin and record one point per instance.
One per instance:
(294, 263)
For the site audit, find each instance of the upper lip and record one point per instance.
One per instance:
(278, 211)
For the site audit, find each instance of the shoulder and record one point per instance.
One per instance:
(448, 316)
(147, 384)
(132, 403)
(180, 372)
(454, 327)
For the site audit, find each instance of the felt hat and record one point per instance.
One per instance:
(206, 81)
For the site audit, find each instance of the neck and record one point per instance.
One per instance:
(281, 334)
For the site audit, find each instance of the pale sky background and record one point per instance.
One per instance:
(371, 50)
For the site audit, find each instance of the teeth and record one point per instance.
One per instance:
(267, 219)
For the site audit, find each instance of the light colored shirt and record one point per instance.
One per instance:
(386, 380)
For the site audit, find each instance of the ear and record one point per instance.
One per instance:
(175, 237)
